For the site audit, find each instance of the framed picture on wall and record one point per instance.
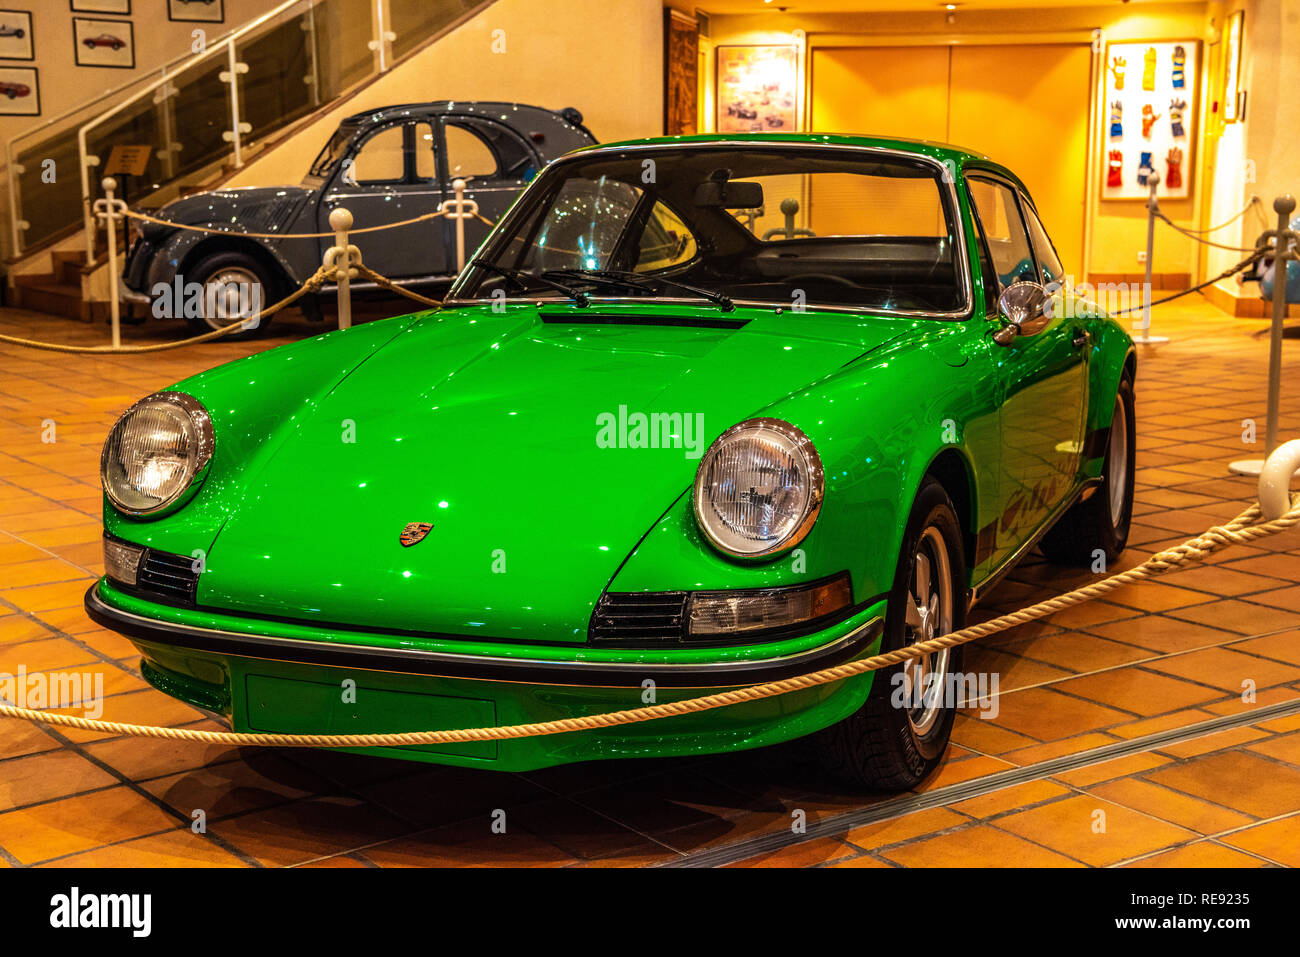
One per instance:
(101, 6)
(196, 11)
(20, 91)
(16, 35)
(1149, 121)
(757, 89)
(104, 43)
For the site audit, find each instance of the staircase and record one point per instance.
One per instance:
(205, 117)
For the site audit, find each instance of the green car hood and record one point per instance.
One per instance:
(486, 426)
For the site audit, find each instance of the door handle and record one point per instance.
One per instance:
(1081, 338)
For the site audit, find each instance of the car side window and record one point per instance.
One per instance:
(665, 242)
(481, 149)
(380, 160)
(1048, 261)
(426, 167)
(1004, 230)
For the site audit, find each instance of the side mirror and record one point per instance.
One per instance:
(1023, 305)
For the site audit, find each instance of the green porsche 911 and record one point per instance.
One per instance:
(702, 412)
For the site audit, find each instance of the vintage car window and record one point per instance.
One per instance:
(381, 159)
(333, 151)
(1048, 260)
(507, 156)
(1004, 230)
(582, 226)
(666, 242)
(426, 166)
(772, 225)
(468, 156)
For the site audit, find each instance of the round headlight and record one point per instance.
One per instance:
(759, 488)
(155, 451)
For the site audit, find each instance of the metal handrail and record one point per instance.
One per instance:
(227, 45)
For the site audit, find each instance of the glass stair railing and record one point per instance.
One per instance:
(204, 115)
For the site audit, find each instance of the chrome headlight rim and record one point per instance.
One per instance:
(205, 445)
(812, 508)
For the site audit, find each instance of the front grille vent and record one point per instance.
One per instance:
(168, 575)
(630, 618)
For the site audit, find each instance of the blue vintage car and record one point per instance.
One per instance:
(385, 166)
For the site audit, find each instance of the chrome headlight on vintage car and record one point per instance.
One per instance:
(759, 488)
(155, 452)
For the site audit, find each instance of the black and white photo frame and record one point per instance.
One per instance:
(115, 7)
(104, 43)
(16, 35)
(196, 11)
(20, 91)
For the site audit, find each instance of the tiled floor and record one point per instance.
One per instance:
(1148, 659)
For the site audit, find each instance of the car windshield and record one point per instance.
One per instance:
(762, 224)
(333, 151)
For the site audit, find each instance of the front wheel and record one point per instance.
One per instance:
(234, 289)
(1099, 524)
(900, 733)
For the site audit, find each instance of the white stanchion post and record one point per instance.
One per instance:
(1153, 181)
(1284, 206)
(1275, 479)
(341, 222)
(459, 186)
(110, 209)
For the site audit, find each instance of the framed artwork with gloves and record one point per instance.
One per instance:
(1149, 118)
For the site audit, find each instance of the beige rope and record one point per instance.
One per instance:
(386, 283)
(436, 214)
(314, 282)
(1240, 530)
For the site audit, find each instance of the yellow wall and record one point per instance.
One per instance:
(1118, 228)
(604, 57)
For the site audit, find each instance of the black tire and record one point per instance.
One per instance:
(1100, 523)
(237, 267)
(879, 746)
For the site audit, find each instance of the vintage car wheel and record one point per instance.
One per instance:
(898, 736)
(220, 271)
(1100, 523)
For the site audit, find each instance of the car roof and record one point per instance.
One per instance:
(961, 156)
(493, 108)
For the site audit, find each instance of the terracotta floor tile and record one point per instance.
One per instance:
(866, 860)
(1172, 806)
(577, 830)
(1246, 782)
(75, 824)
(978, 846)
(1048, 715)
(985, 736)
(1205, 854)
(956, 772)
(235, 787)
(1068, 826)
(1212, 742)
(1276, 840)
(469, 844)
(1109, 770)
(1077, 651)
(907, 828)
(1283, 747)
(1164, 722)
(1056, 749)
(1138, 691)
(176, 848)
(46, 776)
(1280, 647)
(1245, 618)
(143, 758)
(1009, 799)
(1160, 634)
(1227, 669)
(305, 830)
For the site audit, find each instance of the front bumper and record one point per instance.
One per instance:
(263, 675)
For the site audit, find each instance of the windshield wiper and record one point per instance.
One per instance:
(641, 281)
(518, 277)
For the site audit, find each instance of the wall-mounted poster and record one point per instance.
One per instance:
(16, 35)
(757, 88)
(1149, 121)
(108, 43)
(20, 91)
(101, 6)
(196, 11)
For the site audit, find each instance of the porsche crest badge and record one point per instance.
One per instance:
(414, 533)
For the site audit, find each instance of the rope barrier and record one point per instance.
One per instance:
(1240, 530)
(314, 282)
(1253, 204)
(1246, 263)
(436, 214)
(1205, 242)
